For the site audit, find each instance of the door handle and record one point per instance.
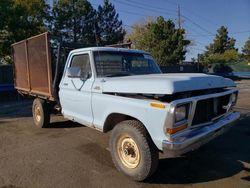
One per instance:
(65, 84)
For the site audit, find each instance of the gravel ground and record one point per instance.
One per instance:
(71, 155)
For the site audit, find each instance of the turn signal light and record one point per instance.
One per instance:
(157, 105)
(176, 129)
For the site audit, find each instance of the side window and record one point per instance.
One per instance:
(82, 61)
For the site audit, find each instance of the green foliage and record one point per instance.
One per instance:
(20, 19)
(109, 27)
(74, 21)
(77, 21)
(222, 68)
(222, 50)
(246, 50)
(162, 40)
(222, 42)
(229, 56)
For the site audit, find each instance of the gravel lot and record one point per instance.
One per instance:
(71, 155)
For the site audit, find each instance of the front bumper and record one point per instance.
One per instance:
(193, 138)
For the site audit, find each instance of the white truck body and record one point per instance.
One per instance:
(93, 101)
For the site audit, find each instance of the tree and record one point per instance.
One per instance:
(162, 40)
(229, 56)
(221, 50)
(5, 10)
(222, 42)
(74, 20)
(138, 31)
(246, 50)
(21, 19)
(109, 28)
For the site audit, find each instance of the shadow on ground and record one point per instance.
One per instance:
(219, 159)
(64, 124)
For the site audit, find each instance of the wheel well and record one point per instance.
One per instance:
(114, 119)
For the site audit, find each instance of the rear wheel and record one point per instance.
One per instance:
(41, 113)
(133, 151)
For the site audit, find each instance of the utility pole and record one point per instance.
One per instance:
(179, 22)
(179, 16)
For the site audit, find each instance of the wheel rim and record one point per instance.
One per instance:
(128, 152)
(38, 113)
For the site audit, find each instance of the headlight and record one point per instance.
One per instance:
(181, 113)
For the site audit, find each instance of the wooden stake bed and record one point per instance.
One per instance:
(32, 67)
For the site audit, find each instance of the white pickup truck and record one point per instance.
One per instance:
(125, 92)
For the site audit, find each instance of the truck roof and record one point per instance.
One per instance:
(108, 49)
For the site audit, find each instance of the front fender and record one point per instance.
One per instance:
(152, 118)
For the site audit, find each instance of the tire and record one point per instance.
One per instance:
(41, 113)
(133, 151)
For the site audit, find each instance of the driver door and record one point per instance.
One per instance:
(75, 92)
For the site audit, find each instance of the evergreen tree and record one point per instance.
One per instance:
(74, 20)
(162, 40)
(20, 19)
(246, 50)
(222, 50)
(222, 42)
(109, 27)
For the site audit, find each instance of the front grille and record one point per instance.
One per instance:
(208, 109)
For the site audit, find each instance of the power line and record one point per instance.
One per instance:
(127, 12)
(167, 13)
(187, 18)
(150, 9)
(198, 49)
(134, 13)
(194, 13)
(230, 33)
(239, 32)
(200, 43)
(150, 5)
(128, 26)
(142, 7)
(197, 25)
(191, 29)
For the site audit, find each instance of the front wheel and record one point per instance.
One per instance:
(41, 113)
(133, 151)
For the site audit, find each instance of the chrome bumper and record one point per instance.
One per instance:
(193, 138)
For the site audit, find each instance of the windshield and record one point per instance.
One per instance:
(110, 64)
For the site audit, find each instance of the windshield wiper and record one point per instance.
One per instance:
(119, 74)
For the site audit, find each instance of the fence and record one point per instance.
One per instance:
(184, 68)
(6, 74)
(7, 90)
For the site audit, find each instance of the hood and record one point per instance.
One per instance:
(164, 83)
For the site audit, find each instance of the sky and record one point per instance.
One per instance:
(200, 18)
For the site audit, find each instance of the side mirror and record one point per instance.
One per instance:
(74, 72)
